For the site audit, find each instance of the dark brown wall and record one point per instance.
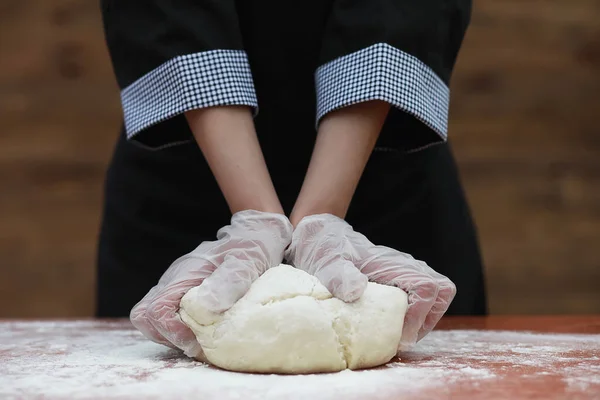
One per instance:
(526, 101)
(524, 125)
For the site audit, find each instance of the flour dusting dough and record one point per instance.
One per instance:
(288, 322)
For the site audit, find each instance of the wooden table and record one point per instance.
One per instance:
(487, 358)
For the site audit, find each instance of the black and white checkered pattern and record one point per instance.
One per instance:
(210, 78)
(383, 72)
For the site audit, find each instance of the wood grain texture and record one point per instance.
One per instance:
(59, 114)
(526, 94)
(467, 359)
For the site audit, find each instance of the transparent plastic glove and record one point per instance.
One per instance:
(244, 250)
(344, 260)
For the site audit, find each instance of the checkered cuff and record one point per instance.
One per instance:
(382, 72)
(188, 82)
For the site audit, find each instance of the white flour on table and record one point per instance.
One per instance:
(87, 359)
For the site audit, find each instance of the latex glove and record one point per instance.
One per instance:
(344, 260)
(244, 250)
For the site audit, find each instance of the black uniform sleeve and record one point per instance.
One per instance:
(171, 56)
(398, 51)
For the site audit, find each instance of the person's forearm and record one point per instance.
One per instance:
(344, 144)
(227, 138)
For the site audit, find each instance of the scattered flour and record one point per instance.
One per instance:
(88, 359)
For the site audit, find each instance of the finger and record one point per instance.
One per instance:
(422, 294)
(195, 351)
(390, 267)
(227, 284)
(162, 315)
(342, 279)
(446, 293)
(139, 318)
(185, 272)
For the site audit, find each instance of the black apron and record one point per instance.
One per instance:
(161, 204)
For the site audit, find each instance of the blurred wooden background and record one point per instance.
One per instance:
(524, 122)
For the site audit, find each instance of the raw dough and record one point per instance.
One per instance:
(288, 322)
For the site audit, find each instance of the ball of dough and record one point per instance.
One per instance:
(288, 322)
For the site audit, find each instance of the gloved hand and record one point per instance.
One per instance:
(244, 250)
(344, 260)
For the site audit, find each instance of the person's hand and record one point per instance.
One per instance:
(244, 250)
(344, 260)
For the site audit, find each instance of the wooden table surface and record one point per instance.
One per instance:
(466, 357)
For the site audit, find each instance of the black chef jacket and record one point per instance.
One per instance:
(292, 63)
